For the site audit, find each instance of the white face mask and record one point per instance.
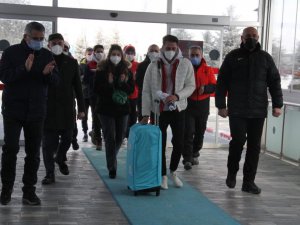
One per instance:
(99, 56)
(153, 56)
(169, 54)
(130, 57)
(66, 53)
(115, 59)
(56, 49)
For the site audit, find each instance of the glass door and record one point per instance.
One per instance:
(211, 37)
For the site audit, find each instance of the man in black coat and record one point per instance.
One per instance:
(59, 123)
(152, 55)
(246, 74)
(26, 69)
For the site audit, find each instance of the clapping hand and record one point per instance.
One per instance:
(29, 62)
(49, 68)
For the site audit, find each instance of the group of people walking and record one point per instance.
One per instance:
(41, 87)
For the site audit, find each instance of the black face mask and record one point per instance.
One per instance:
(250, 43)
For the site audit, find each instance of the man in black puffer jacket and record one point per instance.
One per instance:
(246, 74)
(26, 69)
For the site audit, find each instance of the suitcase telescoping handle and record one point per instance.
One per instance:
(156, 110)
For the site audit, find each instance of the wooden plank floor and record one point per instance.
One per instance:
(82, 198)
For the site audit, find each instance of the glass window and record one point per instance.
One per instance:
(276, 20)
(211, 40)
(91, 32)
(287, 39)
(132, 5)
(296, 77)
(29, 2)
(231, 39)
(13, 30)
(238, 10)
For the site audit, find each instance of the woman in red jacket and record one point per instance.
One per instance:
(198, 108)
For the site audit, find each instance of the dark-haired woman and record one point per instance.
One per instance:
(113, 84)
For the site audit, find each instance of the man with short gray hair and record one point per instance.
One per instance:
(26, 69)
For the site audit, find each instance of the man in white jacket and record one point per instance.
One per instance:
(168, 82)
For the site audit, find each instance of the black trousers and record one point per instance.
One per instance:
(96, 124)
(84, 122)
(132, 115)
(114, 130)
(176, 121)
(139, 108)
(195, 126)
(55, 142)
(242, 130)
(75, 132)
(33, 136)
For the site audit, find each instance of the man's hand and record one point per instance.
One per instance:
(276, 112)
(171, 98)
(201, 90)
(80, 115)
(223, 112)
(49, 68)
(145, 120)
(29, 62)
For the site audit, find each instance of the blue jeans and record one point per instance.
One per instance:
(114, 131)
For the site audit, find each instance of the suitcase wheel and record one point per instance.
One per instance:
(135, 193)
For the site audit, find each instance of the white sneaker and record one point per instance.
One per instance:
(164, 183)
(176, 180)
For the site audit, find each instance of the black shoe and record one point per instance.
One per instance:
(31, 199)
(93, 139)
(99, 146)
(231, 180)
(251, 187)
(5, 197)
(85, 138)
(187, 165)
(112, 174)
(75, 145)
(195, 161)
(63, 167)
(49, 179)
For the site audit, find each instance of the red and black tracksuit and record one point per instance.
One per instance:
(197, 111)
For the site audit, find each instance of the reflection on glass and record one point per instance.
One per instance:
(159, 6)
(231, 39)
(29, 2)
(211, 40)
(13, 30)
(238, 10)
(91, 32)
(296, 77)
(276, 20)
(287, 39)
